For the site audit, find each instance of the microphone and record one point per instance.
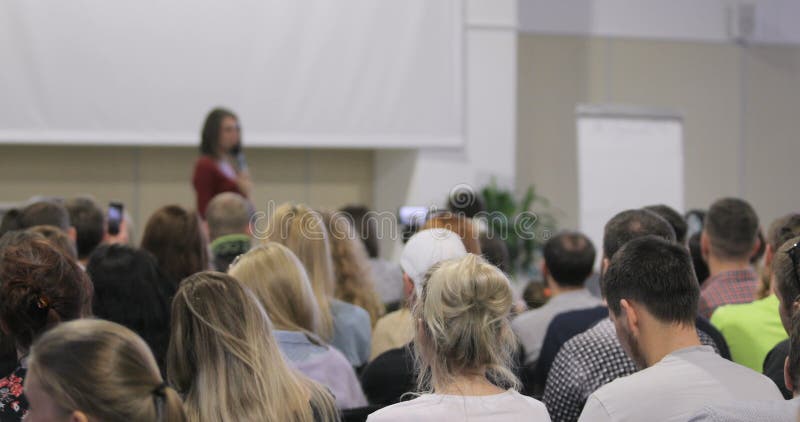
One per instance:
(241, 161)
(238, 154)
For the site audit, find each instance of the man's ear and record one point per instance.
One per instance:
(787, 376)
(705, 246)
(756, 247)
(769, 255)
(72, 233)
(631, 316)
(78, 416)
(604, 265)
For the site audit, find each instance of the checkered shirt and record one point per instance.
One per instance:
(727, 288)
(585, 363)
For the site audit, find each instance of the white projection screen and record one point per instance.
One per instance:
(345, 73)
(628, 157)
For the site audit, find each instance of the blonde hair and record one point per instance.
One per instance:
(223, 358)
(460, 225)
(465, 329)
(103, 370)
(279, 281)
(302, 231)
(354, 283)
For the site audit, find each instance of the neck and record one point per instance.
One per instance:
(469, 385)
(717, 266)
(556, 289)
(666, 338)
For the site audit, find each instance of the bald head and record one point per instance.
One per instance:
(228, 213)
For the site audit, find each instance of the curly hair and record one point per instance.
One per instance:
(354, 283)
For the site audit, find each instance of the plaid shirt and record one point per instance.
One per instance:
(727, 288)
(585, 363)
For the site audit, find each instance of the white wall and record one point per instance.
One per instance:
(691, 20)
(425, 176)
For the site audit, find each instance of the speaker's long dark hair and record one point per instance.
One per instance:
(209, 138)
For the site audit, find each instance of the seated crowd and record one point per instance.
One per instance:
(213, 318)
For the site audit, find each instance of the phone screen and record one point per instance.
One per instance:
(114, 217)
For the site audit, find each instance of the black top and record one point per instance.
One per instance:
(562, 328)
(13, 404)
(569, 324)
(773, 366)
(389, 376)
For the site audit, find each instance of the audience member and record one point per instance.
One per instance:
(464, 348)
(536, 294)
(228, 217)
(8, 350)
(387, 275)
(652, 295)
(495, 251)
(786, 285)
(347, 327)
(41, 287)
(94, 370)
(279, 281)
(46, 213)
(351, 269)
(753, 329)
(174, 236)
(675, 220)
(764, 410)
(729, 239)
(10, 222)
(90, 225)
(130, 289)
(57, 238)
(225, 361)
(595, 357)
(464, 227)
(391, 372)
(568, 261)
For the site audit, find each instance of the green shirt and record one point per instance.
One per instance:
(751, 330)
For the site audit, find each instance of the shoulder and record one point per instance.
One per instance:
(349, 313)
(407, 410)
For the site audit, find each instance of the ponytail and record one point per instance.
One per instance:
(169, 406)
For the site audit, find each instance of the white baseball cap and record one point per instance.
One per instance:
(427, 248)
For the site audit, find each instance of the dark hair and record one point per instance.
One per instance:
(466, 201)
(209, 138)
(15, 237)
(57, 238)
(44, 213)
(732, 228)
(535, 294)
(130, 289)
(495, 250)
(631, 224)
(366, 226)
(173, 236)
(657, 274)
(787, 285)
(700, 267)
(674, 219)
(569, 257)
(783, 229)
(89, 222)
(794, 352)
(10, 221)
(40, 288)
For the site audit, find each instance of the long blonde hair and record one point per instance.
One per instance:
(223, 358)
(354, 283)
(279, 281)
(465, 324)
(103, 370)
(302, 231)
